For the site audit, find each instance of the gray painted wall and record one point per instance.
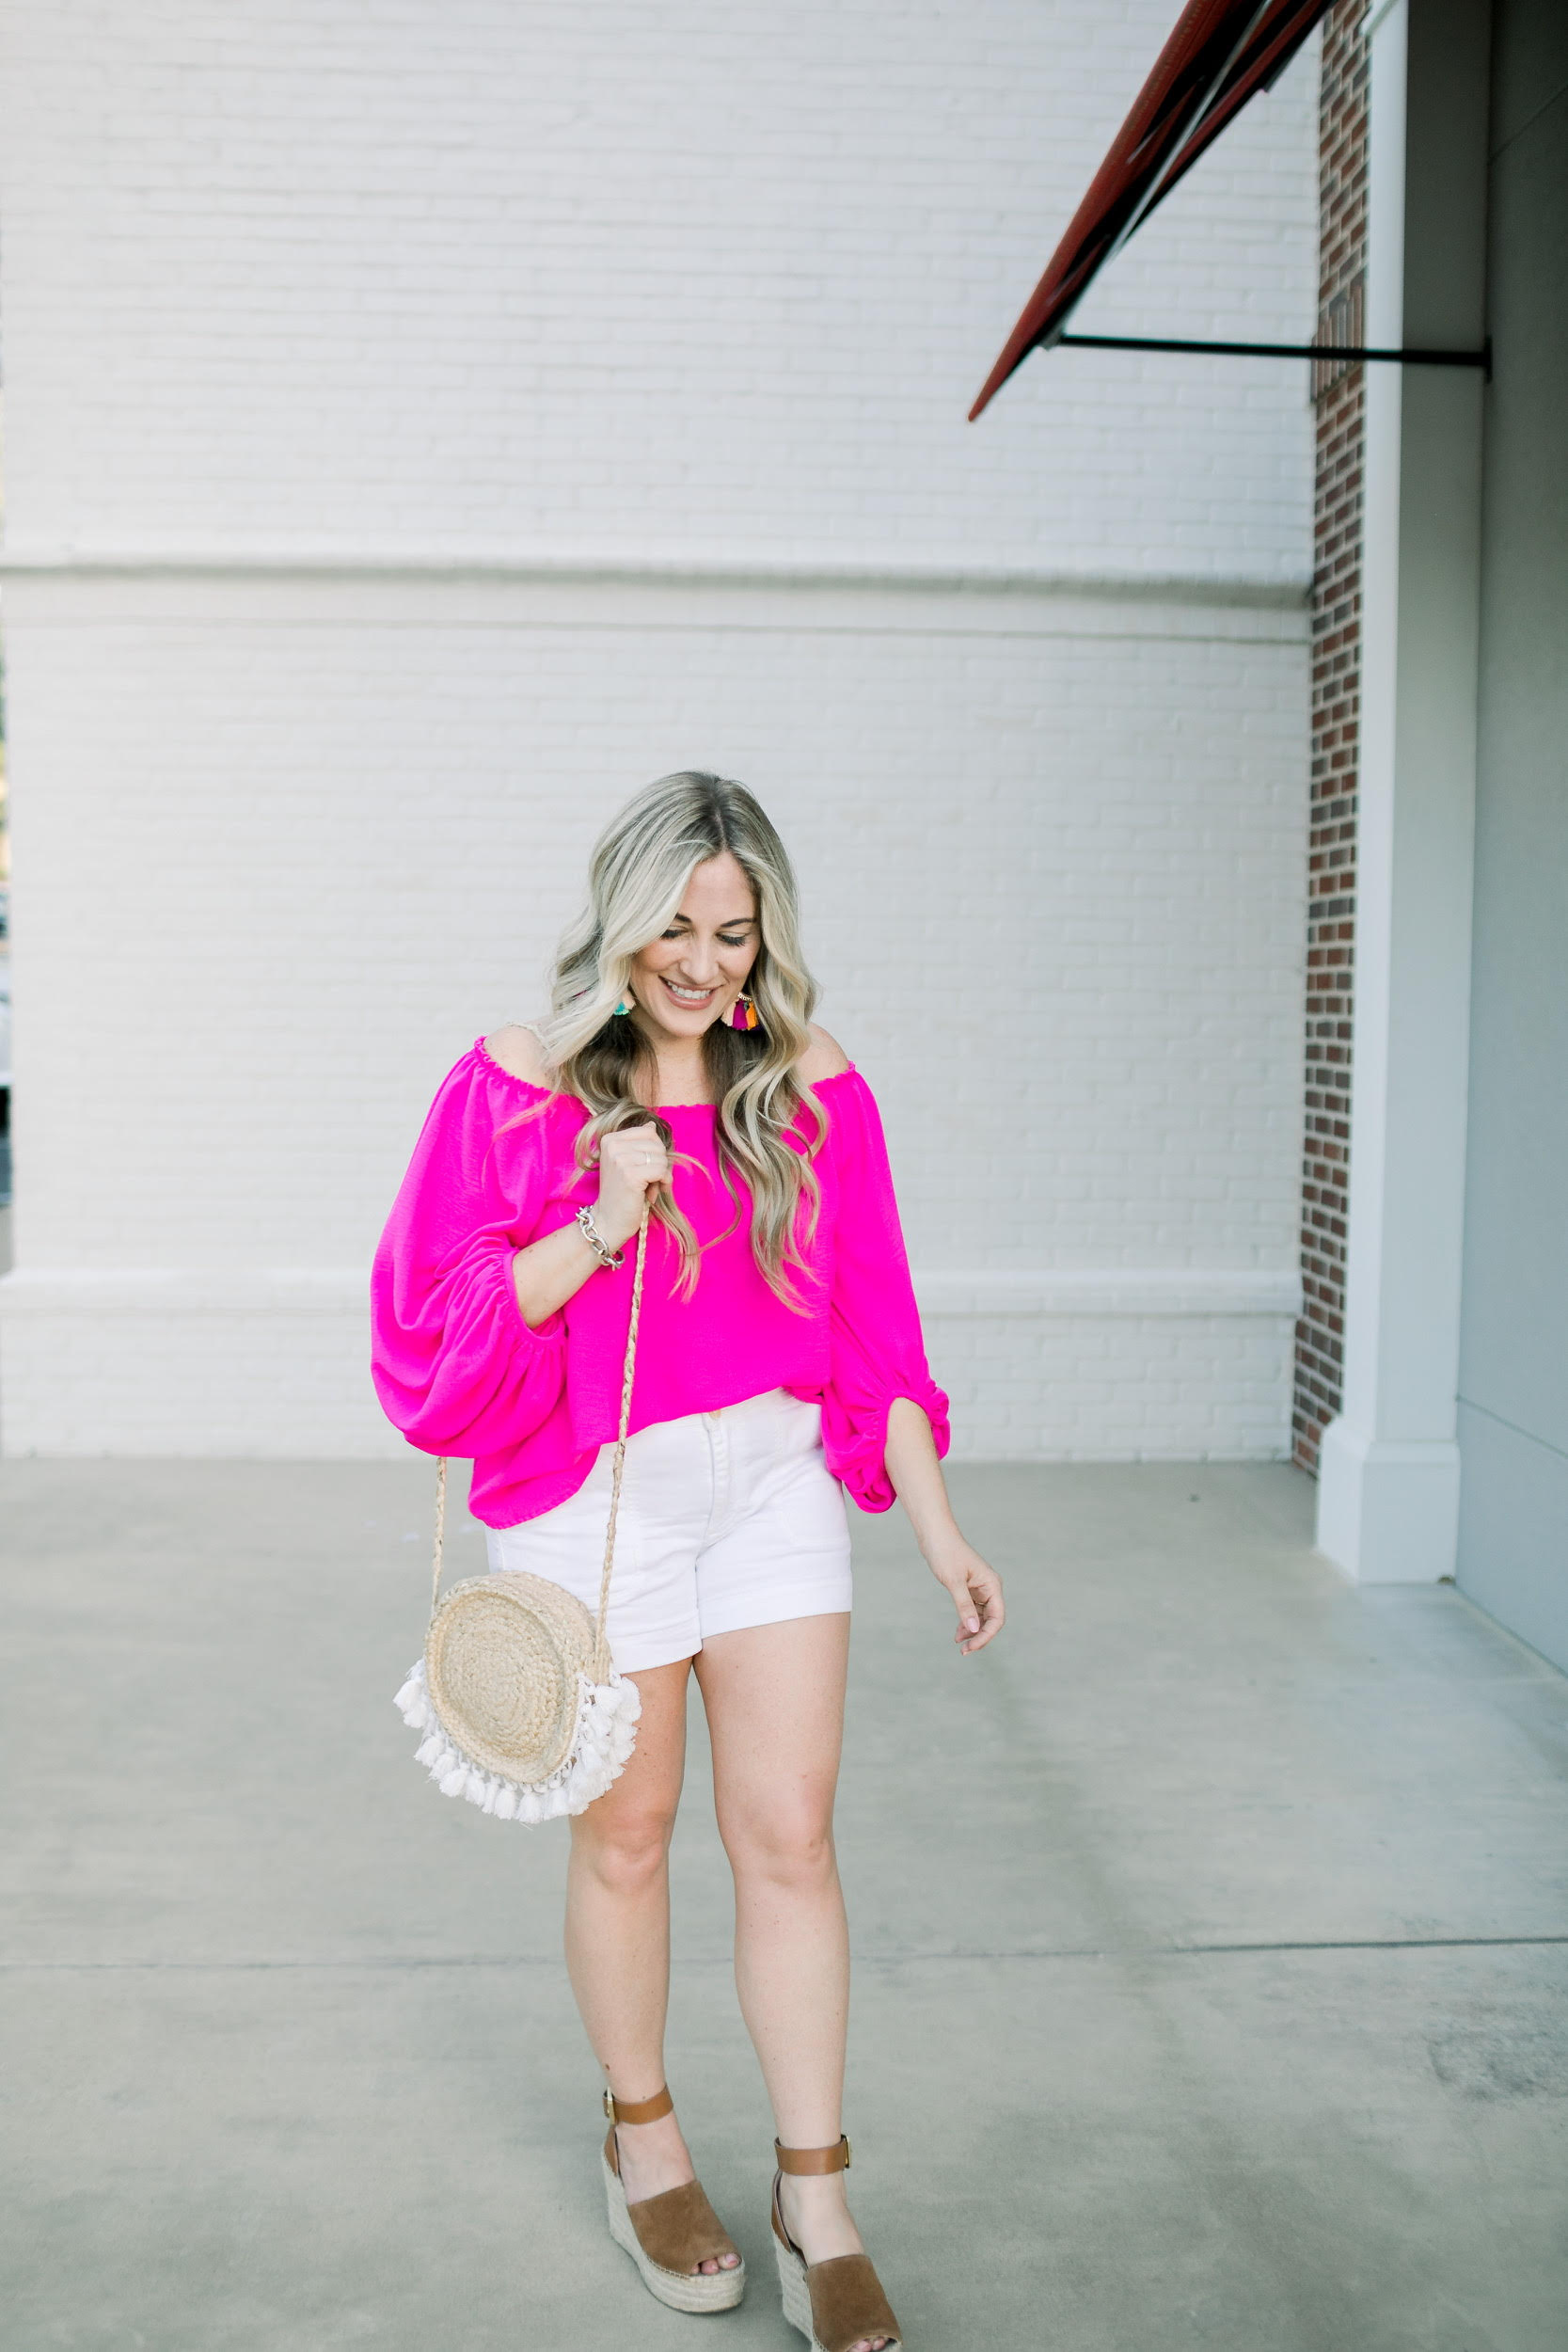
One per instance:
(1513, 1364)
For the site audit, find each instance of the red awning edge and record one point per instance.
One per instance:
(1219, 54)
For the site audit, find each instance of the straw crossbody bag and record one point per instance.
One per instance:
(516, 1694)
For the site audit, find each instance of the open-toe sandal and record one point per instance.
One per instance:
(668, 2235)
(834, 2303)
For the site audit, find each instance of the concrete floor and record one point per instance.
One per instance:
(1212, 1943)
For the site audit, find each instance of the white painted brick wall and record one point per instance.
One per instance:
(538, 287)
(288, 870)
(379, 273)
(1089, 1389)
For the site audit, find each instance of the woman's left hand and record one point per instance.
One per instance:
(976, 1591)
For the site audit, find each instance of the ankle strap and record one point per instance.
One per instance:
(638, 2110)
(834, 2159)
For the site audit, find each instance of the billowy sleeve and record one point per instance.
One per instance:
(456, 1367)
(876, 1349)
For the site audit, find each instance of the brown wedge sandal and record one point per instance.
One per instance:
(837, 2302)
(668, 2235)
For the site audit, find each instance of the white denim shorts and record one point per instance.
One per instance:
(727, 1520)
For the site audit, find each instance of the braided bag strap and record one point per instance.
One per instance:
(440, 1535)
(628, 1373)
(601, 1648)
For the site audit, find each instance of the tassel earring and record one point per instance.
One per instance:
(745, 1014)
(620, 1007)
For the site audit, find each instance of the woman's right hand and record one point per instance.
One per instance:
(633, 1163)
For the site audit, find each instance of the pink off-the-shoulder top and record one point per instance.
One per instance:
(459, 1372)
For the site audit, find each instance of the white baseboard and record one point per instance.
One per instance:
(1110, 1291)
(1387, 1513)
(1117, 1364)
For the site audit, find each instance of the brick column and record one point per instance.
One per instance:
(1339, 397)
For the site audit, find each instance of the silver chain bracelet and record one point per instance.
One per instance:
(608, 1257)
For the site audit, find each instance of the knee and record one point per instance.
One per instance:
(788, 1848)
(626, 1852)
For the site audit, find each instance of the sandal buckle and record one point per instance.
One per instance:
(848, 2152)
(609, 2106)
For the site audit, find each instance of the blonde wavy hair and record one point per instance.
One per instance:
(637, 878)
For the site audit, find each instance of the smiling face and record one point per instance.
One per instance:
(690, 978)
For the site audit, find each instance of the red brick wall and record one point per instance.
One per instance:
(1339, 400)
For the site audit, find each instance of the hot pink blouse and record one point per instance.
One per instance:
(459, 1372)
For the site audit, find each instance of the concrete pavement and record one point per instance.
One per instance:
(1213, 1941)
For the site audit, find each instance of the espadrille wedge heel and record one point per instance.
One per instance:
(668, 2235)
(834, 2303)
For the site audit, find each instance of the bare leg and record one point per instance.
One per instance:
(618, 1930)
(774, 1695)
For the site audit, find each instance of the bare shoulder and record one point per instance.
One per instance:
(518, 1051)
(824, 1057)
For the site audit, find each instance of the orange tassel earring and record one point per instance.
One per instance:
(745, 1014)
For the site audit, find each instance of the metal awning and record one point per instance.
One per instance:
(1221, 53)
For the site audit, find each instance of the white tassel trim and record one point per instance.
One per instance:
(603, 1737)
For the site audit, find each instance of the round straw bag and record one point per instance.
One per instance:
(518, 1699)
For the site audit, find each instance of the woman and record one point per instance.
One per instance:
(779, 1361)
